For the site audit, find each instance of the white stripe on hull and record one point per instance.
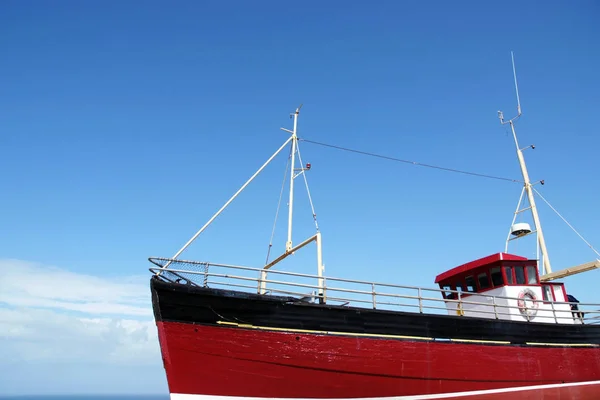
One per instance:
(181, 396)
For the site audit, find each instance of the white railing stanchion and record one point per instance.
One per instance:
(205, 275)
(374, 294)
(495, 309)
(262, 284)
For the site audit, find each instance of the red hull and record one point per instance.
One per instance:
(224, 361)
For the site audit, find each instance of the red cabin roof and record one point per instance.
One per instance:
(478, 263)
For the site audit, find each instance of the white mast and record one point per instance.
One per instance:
(288, 244)
(290, 249)
(526, 181)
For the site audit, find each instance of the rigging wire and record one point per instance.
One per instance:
(567, 222)
(411, 162)
(278, 206)
(308, 190)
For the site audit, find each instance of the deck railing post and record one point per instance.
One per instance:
(374, 294)
(495, 308)
(553, 312)
(324, 296)
(205, 275)
(420, 301)
(262, 282)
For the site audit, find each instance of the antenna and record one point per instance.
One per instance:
(500, 113)
(512, 55)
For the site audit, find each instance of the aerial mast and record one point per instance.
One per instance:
(527, 186)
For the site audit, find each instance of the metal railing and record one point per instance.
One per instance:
(364, 294)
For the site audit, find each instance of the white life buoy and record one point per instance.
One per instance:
(528, 304)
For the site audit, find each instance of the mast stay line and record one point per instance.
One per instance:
(366, 153)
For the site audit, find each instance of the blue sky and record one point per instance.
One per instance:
(126, 125)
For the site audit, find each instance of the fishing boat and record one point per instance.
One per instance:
(496, 327)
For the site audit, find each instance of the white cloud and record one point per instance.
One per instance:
(56, 320)
(26, 284)
(36, 335)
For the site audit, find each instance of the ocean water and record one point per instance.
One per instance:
(89, 397)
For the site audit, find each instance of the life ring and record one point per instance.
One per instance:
(528, 304)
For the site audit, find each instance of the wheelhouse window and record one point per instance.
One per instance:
(496, 274)
(508, 272)
(460, 290)
(547, 294)
(519, 275)
(447, 293)
(470, 281)
(531, 275)
(484, 281)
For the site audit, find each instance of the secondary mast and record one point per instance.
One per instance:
(527, 186)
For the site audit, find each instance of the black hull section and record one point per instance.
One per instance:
(174, 302)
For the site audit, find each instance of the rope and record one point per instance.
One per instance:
(566, 222)
(412, 162)
(308, 191)
(278, 206)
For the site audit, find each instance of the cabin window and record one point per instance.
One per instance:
(496, 274)
(460, 290)
(547, 293)
(531, 275)
(558, 292)
(509, 275)
(448, 294)
(520, 275)
(470, 281)
(484, 281)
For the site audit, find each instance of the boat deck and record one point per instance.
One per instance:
(356, 293)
